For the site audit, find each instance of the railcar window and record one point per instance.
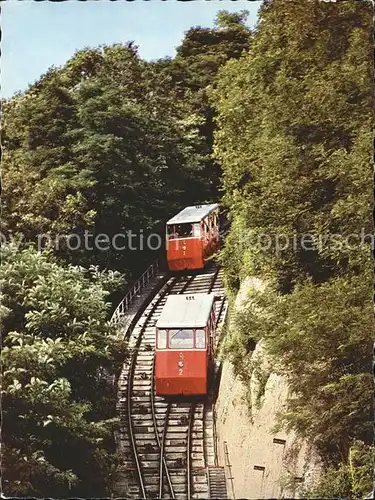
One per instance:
(171, 232)
(181, 339)
(196, 230)
(184, 230)
(162, 339)
(200, 339)
(179, 231)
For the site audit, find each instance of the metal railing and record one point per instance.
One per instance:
(136, 288)
(229, 466)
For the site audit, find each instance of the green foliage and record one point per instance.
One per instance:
(90, 144)
(242, 337)
(201, 54)
(353, 480)
(227, 20)
(324, 356)
(295, 145)
(57, 407)
(303, 115)
(361, 468)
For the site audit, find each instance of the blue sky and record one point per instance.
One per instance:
(38, 35)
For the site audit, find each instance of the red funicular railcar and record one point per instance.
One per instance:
(184, 345)
(192, 236)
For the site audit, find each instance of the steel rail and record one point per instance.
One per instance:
(203, 429)
(220, 310)
(213, 281)
(187, 284)
(188, 452)
(214, 431)
(163, 457)
(163, 462)
(130, 388)
(131, 427)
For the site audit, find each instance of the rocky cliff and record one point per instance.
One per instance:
(265, 463)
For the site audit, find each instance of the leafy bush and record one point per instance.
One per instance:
(295, 147)
(58, 411)
(352, 480)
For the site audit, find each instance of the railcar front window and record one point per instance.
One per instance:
(162, 339)
(181, 339)
(179, 231)
(200, 339)
(184, 230)
(171, 232)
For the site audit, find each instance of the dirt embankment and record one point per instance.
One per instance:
(264, 463)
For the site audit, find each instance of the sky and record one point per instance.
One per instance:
(38, 35)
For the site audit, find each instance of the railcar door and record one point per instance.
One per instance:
(211, 226)
(215, 229)
(205, 230)
(210, 350)
(210, 340)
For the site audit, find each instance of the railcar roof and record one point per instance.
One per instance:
(186, 311)
(193, 214)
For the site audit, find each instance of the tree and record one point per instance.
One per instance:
(202, 52)
(58, 411)
(293, 139)
(89, 145)
(226, 20)
(302, 112)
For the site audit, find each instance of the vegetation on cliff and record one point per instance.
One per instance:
(294, 141)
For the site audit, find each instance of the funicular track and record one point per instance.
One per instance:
(167, 445)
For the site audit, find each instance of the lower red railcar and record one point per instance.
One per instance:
(192, 237)
(184, 345)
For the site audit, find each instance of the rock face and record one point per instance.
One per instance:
(264, 463)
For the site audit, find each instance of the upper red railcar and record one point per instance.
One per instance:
(184, 345)
(192, 237)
